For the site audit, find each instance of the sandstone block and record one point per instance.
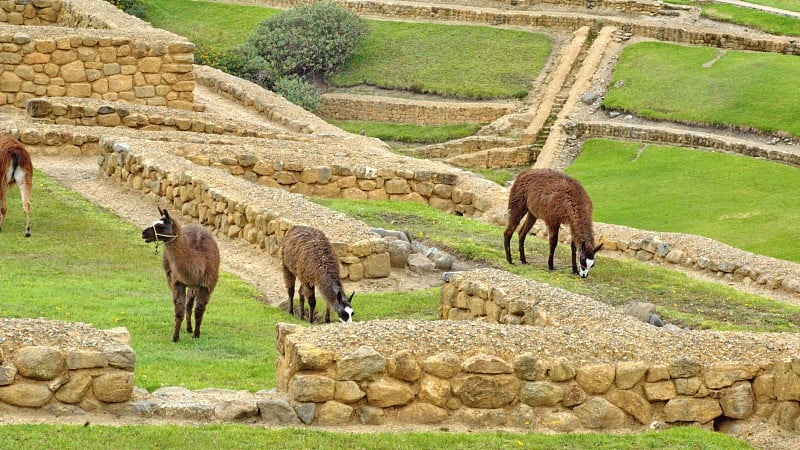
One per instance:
(385, 392)
(443, 365)
(362, 364)
(113, 387)
(311, 388)
(595, 379)
(540, 393)
(633, 404)
(422, 413)
(629, 374)
(486, 364)
(348, 392)
(700, 410)
(403, 366)
(738, 401)
(486, 391)
(434, 390)
(599, 413)
(75, 389)
(39, 362)
(29, 395)
(333, 413)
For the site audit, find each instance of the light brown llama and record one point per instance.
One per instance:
(191, 262)
(309, 256)
(15, 167)
(556, 198)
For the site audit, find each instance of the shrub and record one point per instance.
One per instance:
(245, 62)
(309, 40)
(298, 91)
(132, 7)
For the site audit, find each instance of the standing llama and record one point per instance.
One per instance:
(309, 256)
(191, 261)
(556, 198)
(15, 167)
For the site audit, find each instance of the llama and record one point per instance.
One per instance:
(556, 198)
(309, 256)
(15, 167)
(191, 261)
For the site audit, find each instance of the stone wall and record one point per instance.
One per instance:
(230, 206)
(672, 136)
(56, 372)
(100, 113)
(136, 63)
(619, 373)
(398, 110)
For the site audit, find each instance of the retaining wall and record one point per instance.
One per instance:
(619, 373)
(233, 207)
(135, 62)
(58, 373)
(398, 110)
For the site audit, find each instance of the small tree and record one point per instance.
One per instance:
(310, 40)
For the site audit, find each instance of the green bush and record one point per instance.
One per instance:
(132, 7)
(298, 91)
(309, 40)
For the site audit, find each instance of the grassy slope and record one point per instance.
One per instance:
(759, 20)
(746, 203)
(654, 73)
(400, 132)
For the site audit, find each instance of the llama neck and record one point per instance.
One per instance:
(176, 233)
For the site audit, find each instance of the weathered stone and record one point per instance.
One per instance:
(486, 364)
(31, 395)
(560, 421)
(434, 390)
(657, 373)
(561, 370)
(595, 379)
(763, 387)
(689, 386)
(377, 265)
(86, 359)
(120, 356)
(738, 401)
(389, 392)
(700, 410)
(632, 403)
(403, 366)
(311, 388)
(684, 368)
(786, 382)
(399, 251)
(480, 418)
(573, 395)
(306, 412)
(486, 391)
(720, 375)
(7, 374)
(348, 392)
(113, 387)
(236, 408)
(362, 364)
(629, 374)
(785, 414)
(370, 415)
(75, 389)
(311, 357)
(599, 413)
(661, 390)
(277, 411)
(39, 362)
(540, 393)
(333, 413)
(422, 413)
(443, 365)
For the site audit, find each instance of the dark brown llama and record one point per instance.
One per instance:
(309, 256)
(191, 262)
(15, 167)
(556, 198)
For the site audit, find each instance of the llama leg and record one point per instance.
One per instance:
(3, 203)
(25, 183)
(514, 216)
(312, 301)
(523, 232)
(203, 295)
(553, 231)
(288, 280)
(574, 262)
(190, 296)
(179, 303)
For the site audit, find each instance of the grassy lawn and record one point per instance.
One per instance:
(474, 62)
(749, 17)
(84, 264)
(680, 299)
(25, 437)
(747, 203)
(788, 5)
(670, 82)
(410, 133)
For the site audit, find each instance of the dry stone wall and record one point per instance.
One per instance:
(79, 367)
(230, 207)
(398, 110)
(137, 63)
(619, 373)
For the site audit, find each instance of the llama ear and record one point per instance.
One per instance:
(599, 247)
(350, 299)
(166, 216)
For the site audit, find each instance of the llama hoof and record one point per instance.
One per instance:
(28, 234)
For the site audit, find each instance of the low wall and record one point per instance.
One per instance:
(238, 209)
(100, 113)
(136, 63)
(619, 373)
(671, 136)
(421, 112)
(79, 367)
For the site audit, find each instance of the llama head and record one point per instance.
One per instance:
(160, 230)
(586, 258)
(344, 307)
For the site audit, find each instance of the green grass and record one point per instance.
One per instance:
(679, 299)
(749, 17)
(84, 264)
(410, 133)
(747, 203)
(218, 26)
(669, 82)
(30, 437)
(475, 62)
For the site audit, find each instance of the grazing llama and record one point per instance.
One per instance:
(191, 261)
(309, 256)
(15, 167)
(556, 198)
